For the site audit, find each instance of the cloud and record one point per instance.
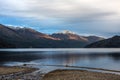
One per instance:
(58, 8)
(87, 15)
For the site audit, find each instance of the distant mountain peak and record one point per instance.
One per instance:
(116, 36)
(66, 32)
(113, 42)
(17, 28)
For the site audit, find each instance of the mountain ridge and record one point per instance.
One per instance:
(113, 42)
(27, 37)
(74, 36)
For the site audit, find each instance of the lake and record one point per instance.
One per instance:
(51, 59)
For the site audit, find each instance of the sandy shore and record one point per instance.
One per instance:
(79, 75)
(19, 73)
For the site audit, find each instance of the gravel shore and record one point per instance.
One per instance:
(28, 73)
(79, 75)
(20, 73)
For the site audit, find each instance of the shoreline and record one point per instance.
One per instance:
(87, 68)
(15, 69)
(26, 72)
(18, 72)
(104, 50)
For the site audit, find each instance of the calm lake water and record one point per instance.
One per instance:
(96, 58)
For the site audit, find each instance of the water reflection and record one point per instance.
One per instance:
(19, 56)
(102, 60)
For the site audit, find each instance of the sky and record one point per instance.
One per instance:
(85, 17)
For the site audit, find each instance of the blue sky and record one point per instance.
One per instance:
(85, 17)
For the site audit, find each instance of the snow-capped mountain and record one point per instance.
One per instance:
(27, 37)
(65, 32)
(69, 35)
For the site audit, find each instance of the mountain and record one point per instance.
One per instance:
(29, 33)
(113, 42)
(68, 35)
(22, 37)
(20, 33)
(92, 39)
(16, 37)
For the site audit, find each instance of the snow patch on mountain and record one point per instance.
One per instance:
(65, 32)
